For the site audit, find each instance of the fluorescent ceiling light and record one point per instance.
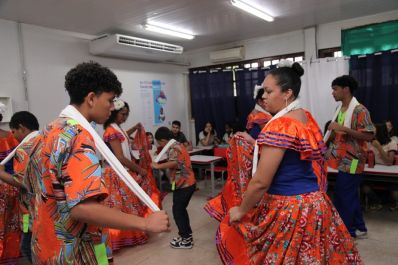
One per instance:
(252, 10)
(164, 29)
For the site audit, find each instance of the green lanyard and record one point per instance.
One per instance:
(341, 118)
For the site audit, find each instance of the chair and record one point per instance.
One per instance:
(221, 152)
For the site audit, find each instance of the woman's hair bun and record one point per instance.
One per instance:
(298, 69)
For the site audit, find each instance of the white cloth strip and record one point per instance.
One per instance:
(71, 112)
(164, 150)
(348, 116)
(11, 155)
(292, 106)
(126, 143)
(260, 109)
(255, 158)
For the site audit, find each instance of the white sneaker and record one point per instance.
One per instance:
(361, 234)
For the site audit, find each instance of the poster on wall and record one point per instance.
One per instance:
(159, 102)
(153, 96)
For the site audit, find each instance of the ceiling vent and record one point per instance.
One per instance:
(128, 47)
(228, 55)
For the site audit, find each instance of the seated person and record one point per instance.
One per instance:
(384, 149)
(151, 142)
(179, 136)
(228, 133)
(208, 136)
(391, 131)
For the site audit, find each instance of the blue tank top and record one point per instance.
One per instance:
(294, 176)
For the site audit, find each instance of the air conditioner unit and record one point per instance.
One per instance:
(128, 47)
(234, 54)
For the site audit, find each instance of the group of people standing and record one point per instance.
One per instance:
(274, 208)
(74, 209)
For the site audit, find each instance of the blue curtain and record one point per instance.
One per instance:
(212, 99)
(377, 76)
(245, 81)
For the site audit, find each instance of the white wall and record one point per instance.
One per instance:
(11, 84)
(326, 36)
(51, 53)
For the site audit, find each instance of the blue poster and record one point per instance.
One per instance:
(159, 102)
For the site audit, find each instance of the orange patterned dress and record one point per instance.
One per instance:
(239, 159)
(121, 197)
(148, 183)
(10, 232)
(298, 228)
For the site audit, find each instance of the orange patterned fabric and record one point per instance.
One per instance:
(121, 197)
(182, 175)
(343, 148)
(239, 160)
(257, 117)
(299, 229)
(10, 233)
(149, 183)
(27, 161)
(307, 139)
(71, 175)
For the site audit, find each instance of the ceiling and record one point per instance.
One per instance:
(213, 21)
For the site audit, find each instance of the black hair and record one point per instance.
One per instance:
(346, 81)
(24, 118)
(178, 123)
(163, 133)
(1, 117)
(237, 127)
(392, 132)
(150, 134)
(382, 134)
(90, 77)
(260, 94)
(114, 113)
(289, 78)
(213, 130)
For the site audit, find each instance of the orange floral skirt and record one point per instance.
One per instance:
(301, 229)
(122, 198)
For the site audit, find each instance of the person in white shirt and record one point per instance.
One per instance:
(384, 149)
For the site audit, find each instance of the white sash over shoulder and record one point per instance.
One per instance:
(292, 106)
(348, 116)
(11, 155)
(71, 112)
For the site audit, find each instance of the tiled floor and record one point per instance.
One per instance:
(380, 248)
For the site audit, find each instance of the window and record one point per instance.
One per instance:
(266, 62)
(330, 52)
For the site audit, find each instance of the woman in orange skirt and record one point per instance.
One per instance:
(148, 183)
(10, 232)
(239, 160)
(285, 216)
(120, 196)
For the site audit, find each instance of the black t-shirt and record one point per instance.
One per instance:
(180, 137)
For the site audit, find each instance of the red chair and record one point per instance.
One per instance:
(222, 152)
